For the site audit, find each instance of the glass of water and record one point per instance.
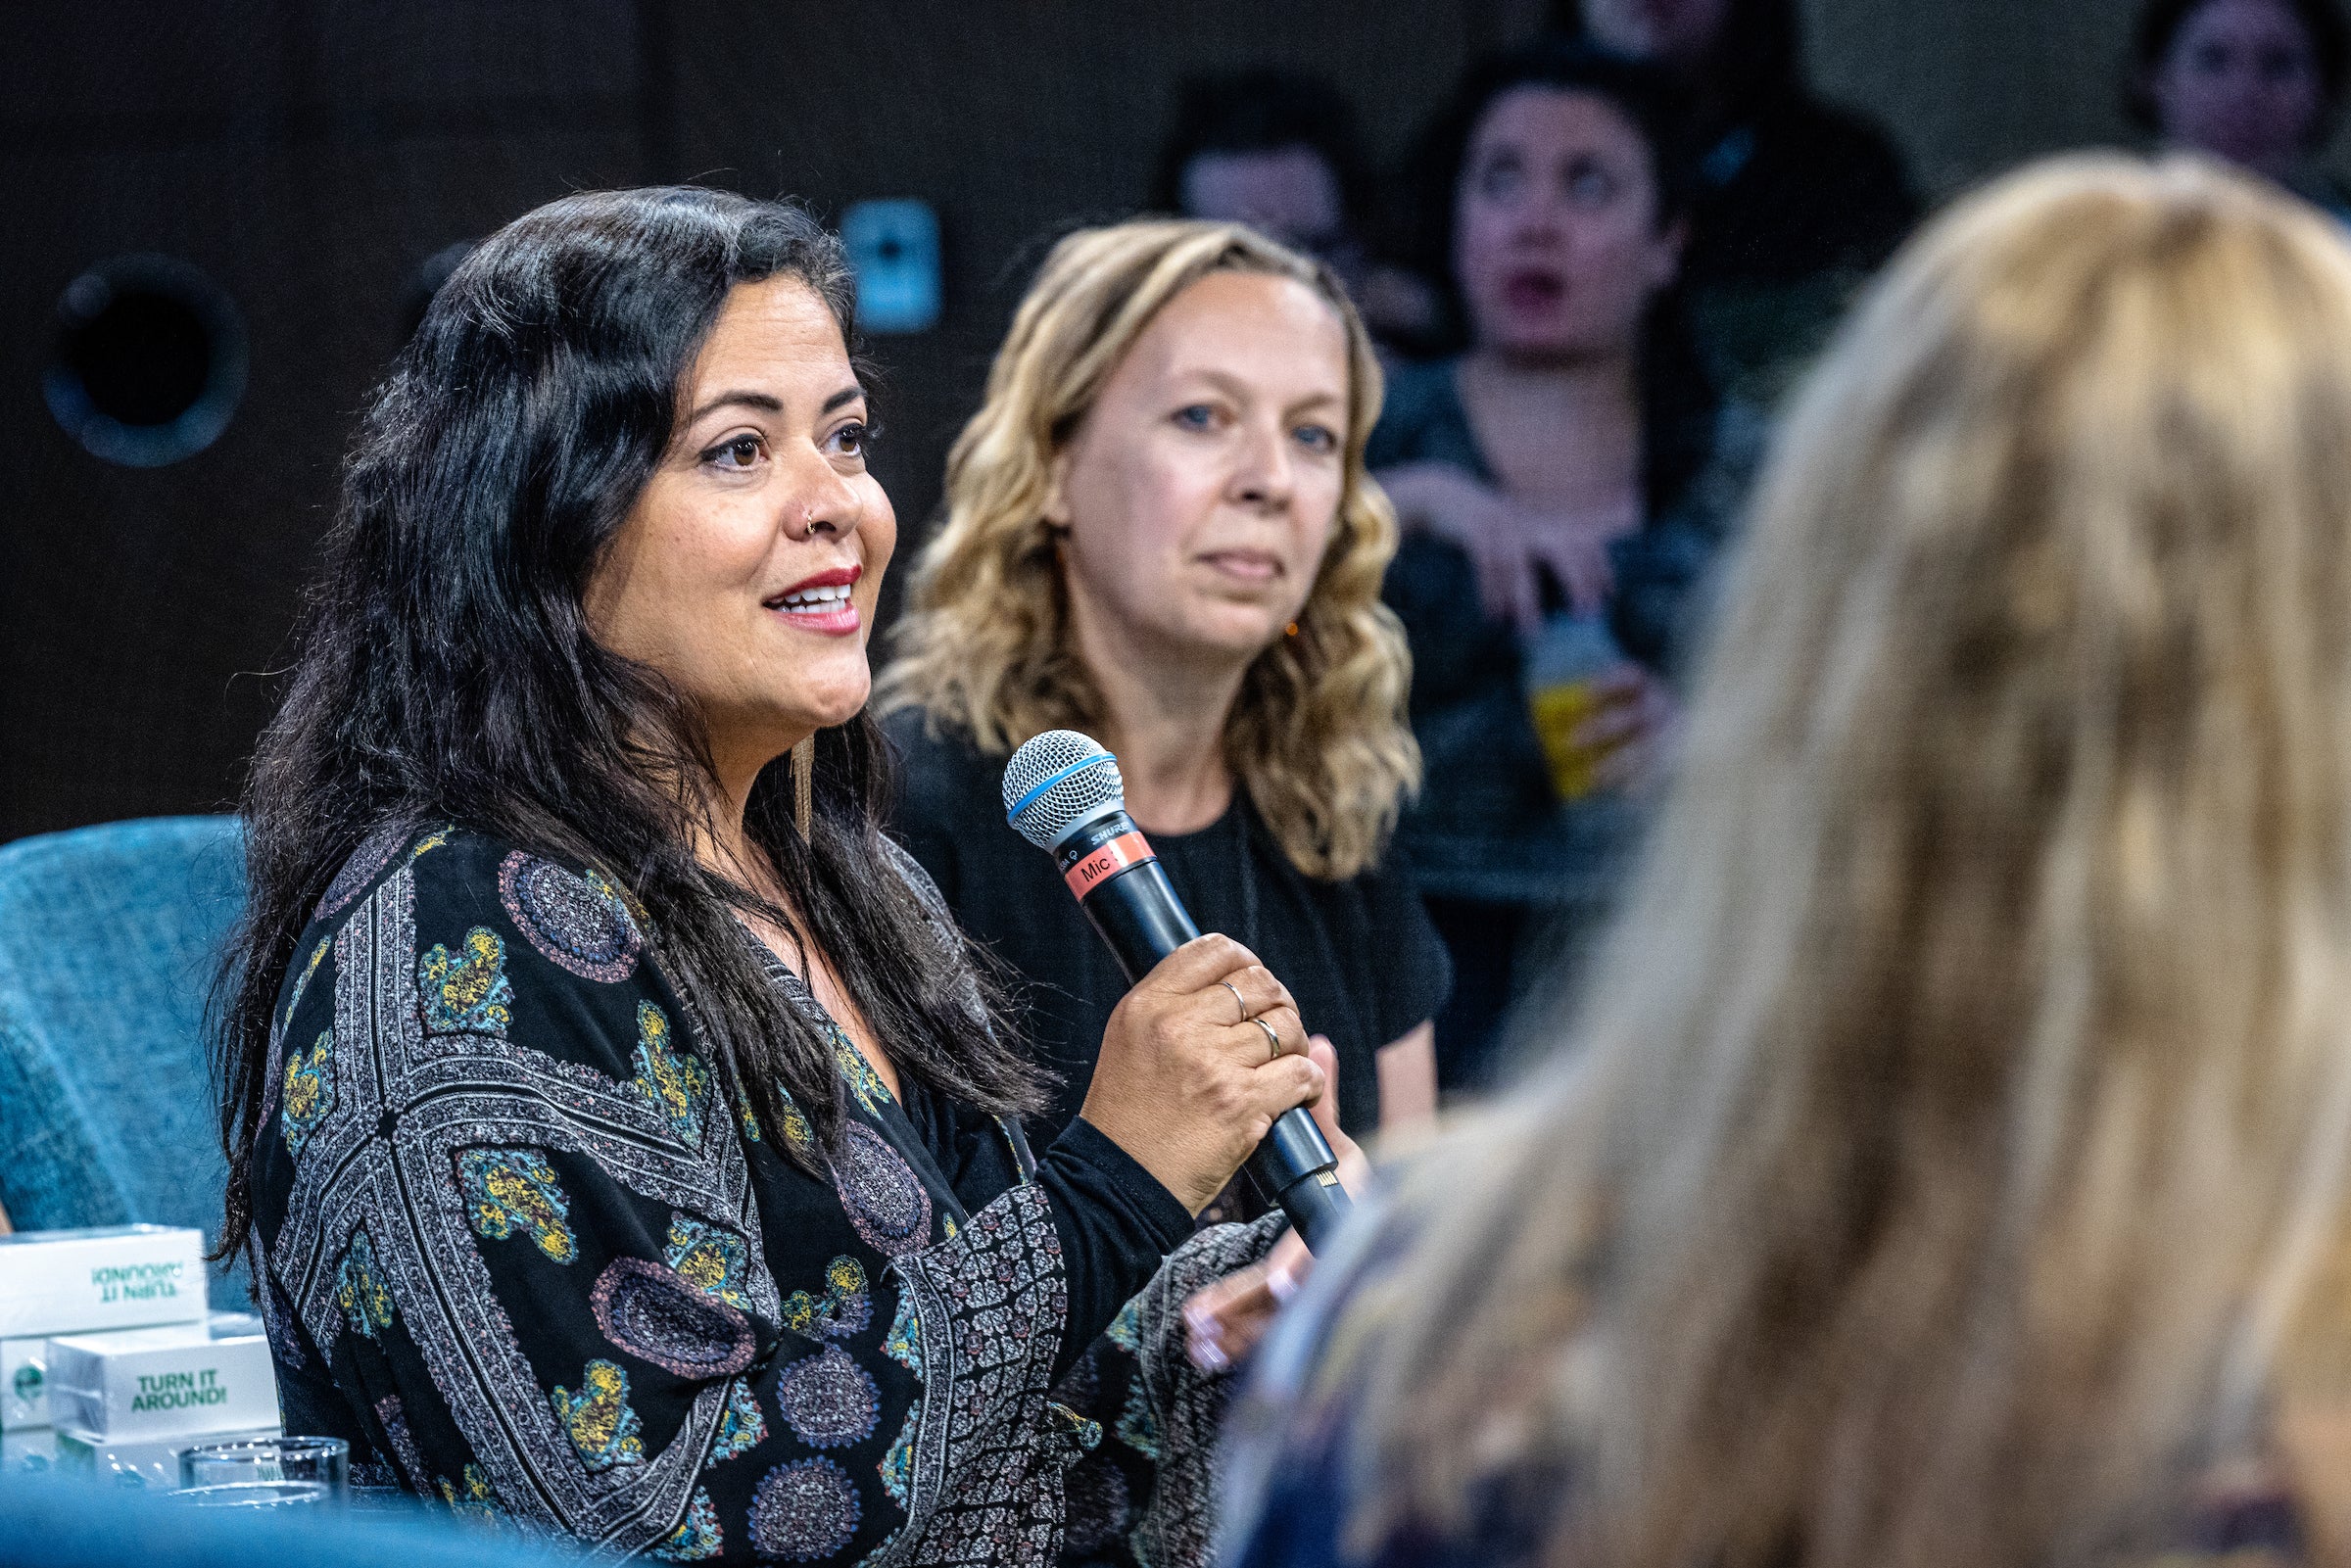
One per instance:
(252, 1494)
(267, 1471)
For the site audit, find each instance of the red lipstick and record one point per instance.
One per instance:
(821, 603)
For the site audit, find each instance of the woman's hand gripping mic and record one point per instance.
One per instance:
(1197, 1061)
(1225, 1321)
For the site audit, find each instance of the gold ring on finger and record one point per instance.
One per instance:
(1273, 1040)
(1236, 999)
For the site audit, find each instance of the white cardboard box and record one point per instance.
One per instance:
(138, 1383)
(149, 1462)
(120, 1276)
(25, 1366)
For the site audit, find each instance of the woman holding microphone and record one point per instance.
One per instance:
(627, 1148)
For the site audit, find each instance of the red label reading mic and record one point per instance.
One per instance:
(1063, 793)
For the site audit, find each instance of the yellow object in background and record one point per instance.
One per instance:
(1560, 711)
(1565, 664)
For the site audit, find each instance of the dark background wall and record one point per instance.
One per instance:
(310, 154)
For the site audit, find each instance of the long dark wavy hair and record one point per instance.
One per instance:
(1679, 400)
(446, 672)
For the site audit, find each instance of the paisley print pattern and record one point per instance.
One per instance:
(844, 1309)
(360, 1289)
(477, 1503)
(280, 1321)
(301, 983)
(864, 1083)
(712, 1260)
(1173, 1410)
(804, 1512)
(903, 1344)
(795, 1125)
(897, 1465)
(1123, 1330)
(308, 1096)
(674, 1082)
(827, 1400)
(483, 1168)
(513, 1188)
(796, 1131)
(658, 1315)
(742, 1427)
(602, 1429)
(699, 1536)
(580, 923)
(373, 854)
(885, 1200)
(394, 1419)
(467, 992)
(1138, 1428)
(984, 1310)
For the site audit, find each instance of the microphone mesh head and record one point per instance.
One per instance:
(1056, 781)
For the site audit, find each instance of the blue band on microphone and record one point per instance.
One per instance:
(1048, 782)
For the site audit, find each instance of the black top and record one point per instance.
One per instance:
(527, 1252)
(1359, 955)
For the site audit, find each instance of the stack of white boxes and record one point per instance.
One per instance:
(109, 1359)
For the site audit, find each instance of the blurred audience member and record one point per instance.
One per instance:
(1159, 531)
(1950, 1169)
(1796, 201)
(1280, 151)
(2258, 82)
(1562, 485)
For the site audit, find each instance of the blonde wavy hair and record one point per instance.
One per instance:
(1950, 1165)
(1319, 735)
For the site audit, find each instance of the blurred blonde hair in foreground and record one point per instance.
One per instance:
(1318, 734)
(1949, 1164)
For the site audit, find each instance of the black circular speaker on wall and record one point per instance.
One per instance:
(150, 361)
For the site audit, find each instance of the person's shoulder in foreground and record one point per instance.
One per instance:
(1295, 1496)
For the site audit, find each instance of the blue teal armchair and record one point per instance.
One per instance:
(109, 939)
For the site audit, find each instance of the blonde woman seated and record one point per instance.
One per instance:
(1948, 1165)
(1159, 531)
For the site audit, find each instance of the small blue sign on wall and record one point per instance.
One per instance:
(894, 245)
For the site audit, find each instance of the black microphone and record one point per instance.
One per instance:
(1063, 793)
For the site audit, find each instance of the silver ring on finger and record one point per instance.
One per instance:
(1236, 999)
(1273, 1040)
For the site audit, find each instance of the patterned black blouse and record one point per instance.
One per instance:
(526, 1252)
